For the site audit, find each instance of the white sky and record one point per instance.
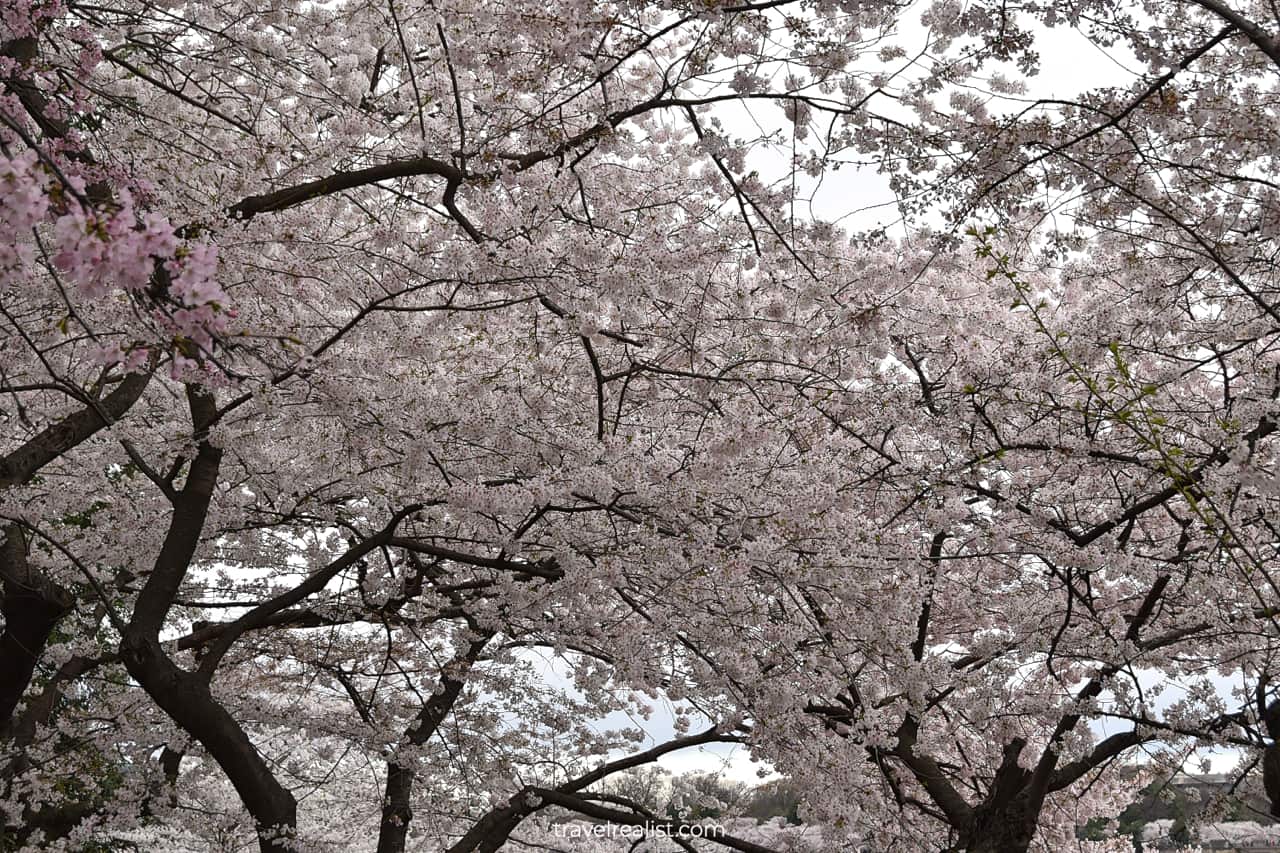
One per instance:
(859, 199)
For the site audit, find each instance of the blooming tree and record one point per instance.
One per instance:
(357, 356)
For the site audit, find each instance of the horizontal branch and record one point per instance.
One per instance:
(547, 569)
(292, 196)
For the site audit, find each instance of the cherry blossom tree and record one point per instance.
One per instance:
(358, 356)
(428, 283)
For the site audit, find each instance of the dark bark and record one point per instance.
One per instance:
(188, 701)
(18, 466)
(1270, 719)
(39, 708)
(32, 605)
(190, 508)
(1271, 777)
(1254, 31)
(1006, 818)
(186, 696)
(29, 621)
(221, 637)
(492, 831)
(1005, 830)
(53, 821)
(396, 810)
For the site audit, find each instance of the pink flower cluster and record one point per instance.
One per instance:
(105, 252)
(26, 205)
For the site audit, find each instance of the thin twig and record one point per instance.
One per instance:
(408, 61)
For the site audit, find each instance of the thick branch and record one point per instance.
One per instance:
(396, 811)
(1261, 40)
(261, 614)
(493, 829)
(18, 466)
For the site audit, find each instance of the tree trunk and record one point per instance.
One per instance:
(29, 621)
(33, 604)
(1008, 830)
(183, 695)
(396, 812)
(1271, 776)
(32, 607)
(188, 702)
(492, 831)
(1013, 842)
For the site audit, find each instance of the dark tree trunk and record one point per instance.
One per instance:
(32, 604)
(29, 620)
(183, 695)
(396, 812)
(1271, 777)
(32, 607)
(1006, 830)
(493, 830)
(188, 702)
